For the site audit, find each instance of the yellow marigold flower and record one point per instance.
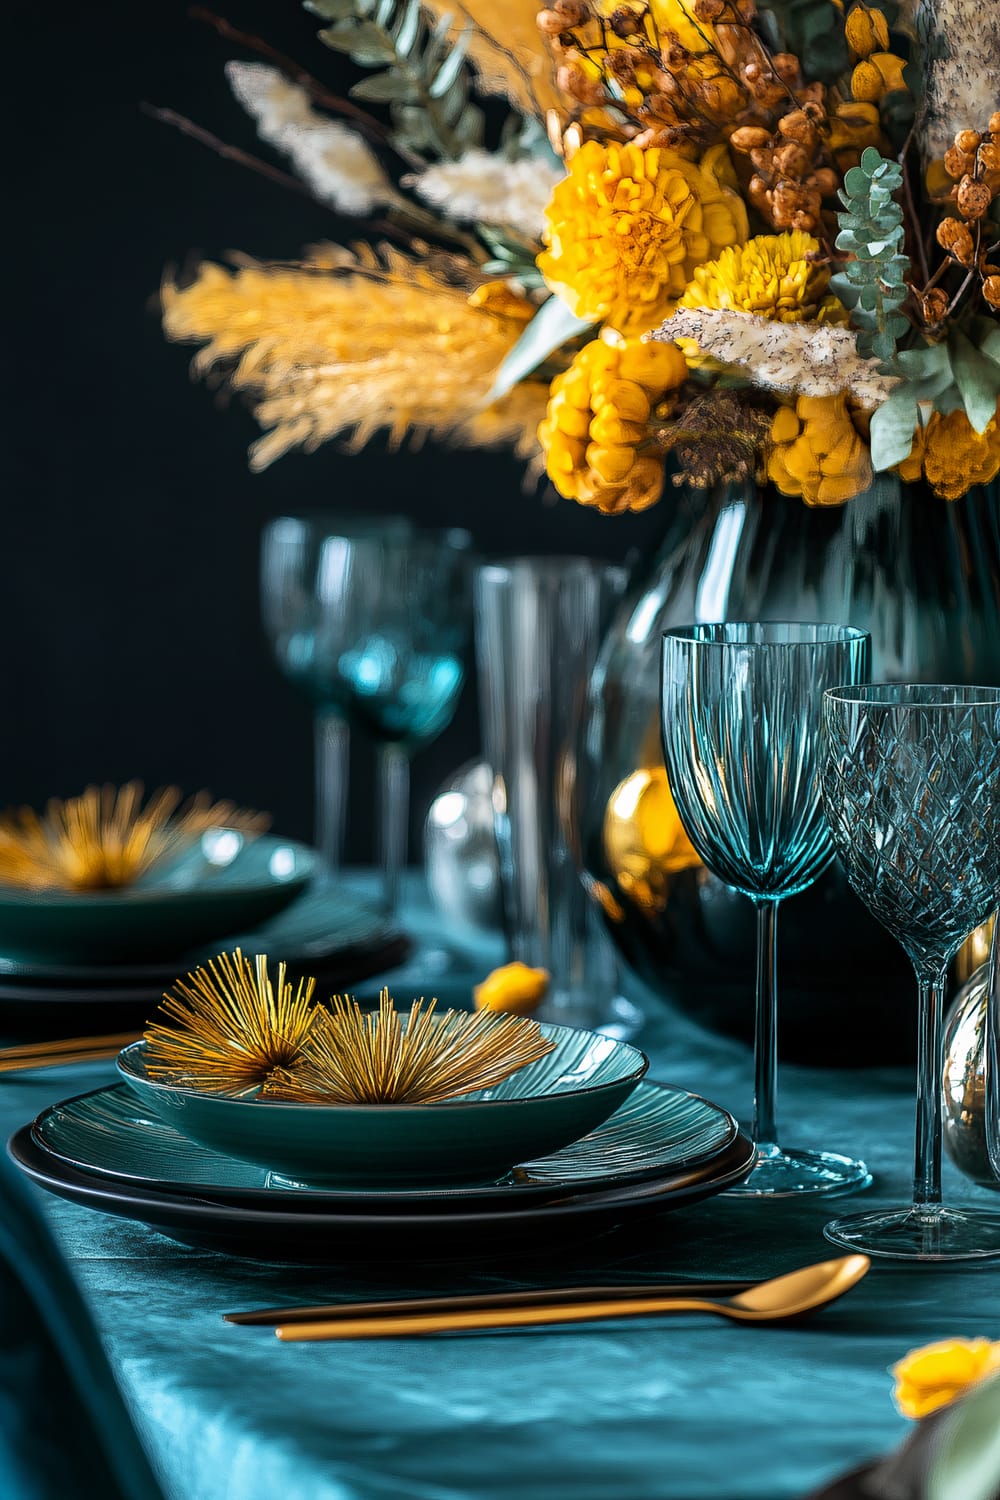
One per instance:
(952, 456)
(513, 988)
(876, 76)
(936, 1374)
(597, 418)
(771, 276)
(817, 451)
(627, 227)
(867, 31)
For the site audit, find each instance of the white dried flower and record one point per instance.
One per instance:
(806, 359)
(486, 189)
(336, 164)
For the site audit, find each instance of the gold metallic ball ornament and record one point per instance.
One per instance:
(644, 840)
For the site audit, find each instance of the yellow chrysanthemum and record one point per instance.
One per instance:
(351, 345)
(935, 1374)
(952, 456)
(770, 276)
(817, 452)
(597, 419)
(627, 228)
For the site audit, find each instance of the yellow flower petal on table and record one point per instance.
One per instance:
(627, 227)
(935, 1374)
(514, 988)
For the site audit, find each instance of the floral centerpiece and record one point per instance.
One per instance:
(761, 238)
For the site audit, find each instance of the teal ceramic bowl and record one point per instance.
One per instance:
(223, 884)
(472, 1139)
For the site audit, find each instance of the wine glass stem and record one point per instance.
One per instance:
(765, 1131)
(927, 1153)
(332, 769)
(394, 819)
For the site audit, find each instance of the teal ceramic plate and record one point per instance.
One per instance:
(658, 1130)
(475, 1138)
(318, 926)
(222, 885)
(329, 1237)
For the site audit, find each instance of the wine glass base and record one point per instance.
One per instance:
(793, 1174)
(925, 1234)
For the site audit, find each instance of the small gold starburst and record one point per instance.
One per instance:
(105, 838)
(350, 1057)
(231, 1027)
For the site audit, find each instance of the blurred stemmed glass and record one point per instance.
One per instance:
(911, 787)
(292, 552)
(373, 620)
(741, 722)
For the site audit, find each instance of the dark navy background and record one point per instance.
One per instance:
(128, 605)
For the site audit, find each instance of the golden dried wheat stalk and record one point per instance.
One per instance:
(231, 1027)
(105, 838)
(349, 1057)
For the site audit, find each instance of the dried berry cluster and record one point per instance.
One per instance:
(973, 164)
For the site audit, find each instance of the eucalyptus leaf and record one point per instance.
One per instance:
(893, 425)
(331, 10)
(550, 328)
(978, 379)
(384, 88)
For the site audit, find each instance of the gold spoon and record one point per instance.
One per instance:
(769, 1301)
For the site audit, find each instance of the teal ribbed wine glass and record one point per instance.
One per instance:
(741, 729)
(911, 787)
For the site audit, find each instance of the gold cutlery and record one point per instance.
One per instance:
(788, 1296)
(535, 1297)
(63, 1050)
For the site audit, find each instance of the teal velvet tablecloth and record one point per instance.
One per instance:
(688, 1409)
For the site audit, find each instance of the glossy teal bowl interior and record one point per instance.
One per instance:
(222, 884)
(475, 1138)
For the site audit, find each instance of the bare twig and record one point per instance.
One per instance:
(367, 124)
(228, 153)
(911, 209)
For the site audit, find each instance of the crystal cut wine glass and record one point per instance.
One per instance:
(741, 721)
(911, 788)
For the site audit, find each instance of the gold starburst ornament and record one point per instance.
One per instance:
(105, 839)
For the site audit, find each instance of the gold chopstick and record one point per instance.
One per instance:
(457, 1322)
(463, 1301)
(64, 1050)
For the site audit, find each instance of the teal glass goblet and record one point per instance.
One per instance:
(294, 572)
(741, 730)
(911, 788)
(392, 634)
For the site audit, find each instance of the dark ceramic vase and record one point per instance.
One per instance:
(923, 576)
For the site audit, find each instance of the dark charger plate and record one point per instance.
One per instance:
(320, 1237)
